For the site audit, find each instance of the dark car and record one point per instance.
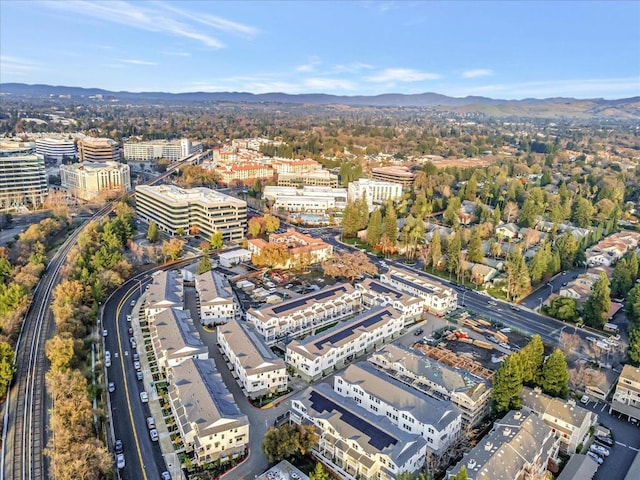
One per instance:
(418, 332)
(604, 440)
(118, 446)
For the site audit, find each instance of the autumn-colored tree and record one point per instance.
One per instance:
(204, 265)
(349, 265)
(254, 226)
(6, 366)
(60, 350)
(271, 223)
(216, 240)
(272, 255)
(172, 248)
(288, 441)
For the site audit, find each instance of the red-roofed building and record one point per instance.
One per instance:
(245, 173)
(303, 249)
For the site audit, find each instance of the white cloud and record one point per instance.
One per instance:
(323, 85)
(402, 75)
(354, 67)
(177, 54)
(139, 62)
(216, 22)
(311, 66)
(16, 66)
(478, 72)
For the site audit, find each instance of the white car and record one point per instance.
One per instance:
(599, 449)
(591, 339)
(107, 358)
(136, 365)
(585, 399)
(105, 332)
(493, 303)
(133, 303)
(595, 458)
(154, 434)
(128, 318)
(144, 397)
(120, 460)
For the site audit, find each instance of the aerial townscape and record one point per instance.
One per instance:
(244, 240)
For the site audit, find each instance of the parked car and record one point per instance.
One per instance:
(151, 423)
(596, 458)
(128, 318)
(608, 441)
(505, 345)
(118, 446)
(133, 303)
(418, 332)
(139, 375)
(165, 476)
(120, 461)
(154, 435)
(112, 387)
(130, 331)
(585, 399)
(107, 358)
(136, 357)
(599, 449)
(144, 397)
(136, 365)
(105, 332)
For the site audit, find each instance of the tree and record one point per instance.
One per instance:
(216, 240)
(540, 263)
(319, 473)
(554, 378)
(634, 344)
(173, 247)
(204, 265)
(453, 262)
(632, 304)
(531, 359)
(567, 247)
(621, 279)
(461, 475)
(435, 249)
(597, 306)
(518, 281)
(60, 351)
(374, 229)
(474, 250)
(450, 216)
(288, 440)
(152, 232)
(563, 308)
(6, 367)
(272, 255)
(349, 265)
(271, 223)
(582, 212)
(390, 228)
(507, 385)
(254, 226)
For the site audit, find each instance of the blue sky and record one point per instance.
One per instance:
(499, 49)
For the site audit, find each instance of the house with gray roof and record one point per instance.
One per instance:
(375, 292)
(438, 298)
(518, 447)
(217, 302)
(209, 421)
(354, 443)
(469, 393)
(165, 291)
(579, 467)
(175, 339)
(438, 421)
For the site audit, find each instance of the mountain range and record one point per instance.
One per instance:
(626, 108)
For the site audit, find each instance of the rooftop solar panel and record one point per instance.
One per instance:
(380, 288)
(347, 330)
(317, 296)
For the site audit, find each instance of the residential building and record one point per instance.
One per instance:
(599, 383)
(317, 200)
(469, 393)
(246, 173)
(579, 467)
(352, 443)
(175, 339)
(626, 399)
(612, 248)
(508, 231)
(396, 174)
(90, 180)
(303, 249)
(519, 447)
(374, 192)
(23, 180)
(148, 151)
(317, 178)
(320, 354)
(210, 423)
(165, 291)
(438, 299)
(375, 292)
(177, 210)
(56, 149)
(438, 421)
(98, 150)
(255, 367)
(568, 421)
(217, 302)
(304, 314)
(229, 258)
(294, 165)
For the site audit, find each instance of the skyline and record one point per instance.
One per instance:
(495, 49)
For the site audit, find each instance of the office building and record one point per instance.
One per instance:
(402, 175)
(317, 178)
(90, 180)
(56, 149)
(626, 398)
(316, 200)
(180, 211)
(256, 368)
(148, 151)
(438, 299)
(374, 192)
(293, 165)
(375, 292)
(98, 150)
(23, 180)
(246, 173)
(217, 303)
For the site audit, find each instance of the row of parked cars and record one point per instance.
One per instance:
(599, 450)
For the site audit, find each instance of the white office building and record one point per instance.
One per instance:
(23, 181)
(374, 191)
(217, 303)
(56, 148)
(309, 199)
(147, 151)
(91, 180)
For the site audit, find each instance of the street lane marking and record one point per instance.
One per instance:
(620, 443)
(603, 407)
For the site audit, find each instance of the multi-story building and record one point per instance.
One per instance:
(438, 421)
(217, 303)
(88, 180)
(438, 299)
(256, 368)
(378, 293)
(374, 191)
(23, 180)
(98, 150)
(305, 314)
(147, 151)
(626, 398)
(568, 421)
(165, 291)
(296, 165)
(320, 354)
(244, 173)
(354, 443)
(178, 210)
(175, 339)
(317, 200)
(210, 423)
(519, 447)
(401, 175)
(469, 393)
(56, 149)
(317, 178)
(303, 249)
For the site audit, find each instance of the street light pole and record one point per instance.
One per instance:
(540, 308)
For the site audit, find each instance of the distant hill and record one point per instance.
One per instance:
(627, 108)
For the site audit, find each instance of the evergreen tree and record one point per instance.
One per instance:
(540, 263)
(507, 385)
(462, 474)
(531, 359)
(453, 263)
(567, 247)
(582, 212)
(554, 378)
(450, 216)
(152, 232)
(518, 280)
(319, 473)
(204, 265)
(632, 304)
(597, 306)
(435, 249)
(474, 250)
(621, 279)
(496, 215)
(634, 344)
(374, 229)
(391, 222)
(633, 267)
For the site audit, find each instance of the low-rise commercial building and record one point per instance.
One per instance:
(92, 149)
(254, 366)
(165, 291)
(315, 200)
(234, 257)
(178, 210)
(305, 314)
(352, 442)
(317, 178)
(303, 249)
(320, 354)
(396, 174)
(23, 180)
(56, 149)
(89, 180)
(438, 299)
(217, 302)
(175, 339)
(626, 399)
(210, 423)
(374, 191)
(375, 292)
(438, 421)
(469, 393)
(519, 447)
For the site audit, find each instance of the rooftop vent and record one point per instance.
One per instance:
(506, 432)
(472, 464)
(517, 415)
(488, 446)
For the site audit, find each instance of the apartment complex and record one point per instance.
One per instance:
(626, 398)
(317, 178)
(56, 149)
(88, 180)
(567, 420)
(518, 447)
(246, 173)
(437, 421)
(217, 303)
(154, 150)
(165, 291)
(438, 299)
(98, 150)
(256, 368)
(374, 192)
(303, 249)
(402, 175)
(377, 293)
(303, 315)
(469, 393)
(316, 200)
(177, 210)
(210, 423)
(352, 442)
(320, 354)
(293, 165)
(23, 180)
